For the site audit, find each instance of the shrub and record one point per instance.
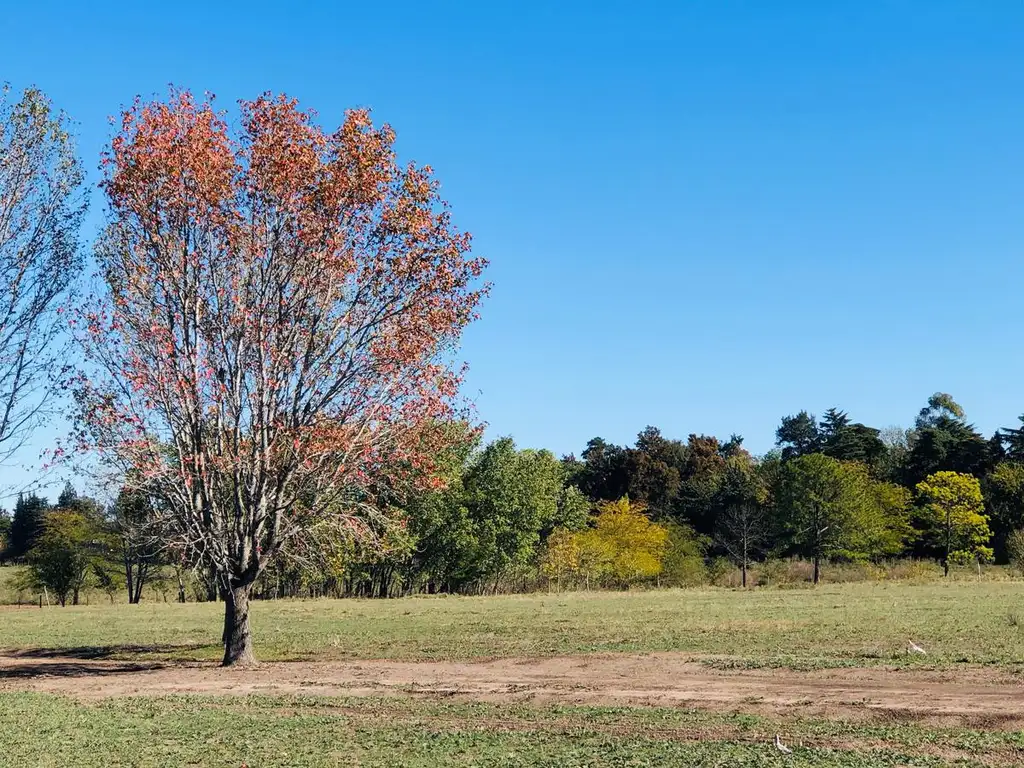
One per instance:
(683, 564)
(1015, 549)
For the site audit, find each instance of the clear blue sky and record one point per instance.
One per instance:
(700, 215)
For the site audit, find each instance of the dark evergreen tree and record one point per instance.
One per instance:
(26, 525)
(798, 436)
(603, 476)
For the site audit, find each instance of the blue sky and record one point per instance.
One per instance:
(700, 215)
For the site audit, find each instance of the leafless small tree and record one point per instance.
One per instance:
(742, 531)
(42, 202)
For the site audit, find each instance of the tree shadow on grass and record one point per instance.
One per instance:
(99, 652)
(70, 669)
(92, 660)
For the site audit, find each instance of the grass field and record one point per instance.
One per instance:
(301, 732)
(962, 624)
(835, 625)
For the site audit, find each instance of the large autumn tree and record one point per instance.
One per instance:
(271, 350)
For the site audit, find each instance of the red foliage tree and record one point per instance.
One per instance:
(272, 348)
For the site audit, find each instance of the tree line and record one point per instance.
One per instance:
(660, 511)
(832, 490)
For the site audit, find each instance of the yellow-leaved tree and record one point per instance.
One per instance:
(953, 512)
(621, 547)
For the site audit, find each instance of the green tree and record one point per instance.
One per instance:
(683, 560)
(511, 497)
(944, 441)
(953, 513)
(1012, 438)
(573, 509)
(1003, 489)
(841, 439)
(602, 474)
(940, 408)
(26, 525)
(73, 543)
(5, 531)
(798, 436)
(742, 521)
(701, 474)
(831, 509)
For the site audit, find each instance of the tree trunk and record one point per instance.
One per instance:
(743, 570)
(128, 580)
(237, 638)
(817, 567)
(949, 537)
(212, 585)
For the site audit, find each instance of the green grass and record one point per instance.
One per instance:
(834, 625)
(260, 732)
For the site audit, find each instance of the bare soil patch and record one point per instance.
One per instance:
(976, 697)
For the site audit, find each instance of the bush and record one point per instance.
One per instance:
(683, 564)
(1015, 549)
(771, 572)
(914, 570)
(719, 570)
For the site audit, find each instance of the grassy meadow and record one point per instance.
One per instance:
(834, 625)
(265, 732)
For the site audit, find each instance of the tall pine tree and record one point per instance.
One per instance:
(26, 525)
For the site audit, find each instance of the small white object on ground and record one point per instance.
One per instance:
(782, 747)
(913, 647)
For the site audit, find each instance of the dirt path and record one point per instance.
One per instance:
(975, 697)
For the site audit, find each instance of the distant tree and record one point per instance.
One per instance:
(733, 447)
(953, 513)
(42, 202)
(847, 441)
(573, 509)
(135, 539)
(798, 436)
(1004, 497)
(893, 462)
(561, 558)
(26, 525)
(1012, 440)
(621, 547)
(943, 441)
(632, 544)
(603, 475)
(829, 509)
(941, 407)
(683, 560)
(832, 426)
(73, 544)
(701, 475)
(654, 468)
(743, 524)
(5, 532)
(511, 497)
(884, 528)
(1015, 549)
